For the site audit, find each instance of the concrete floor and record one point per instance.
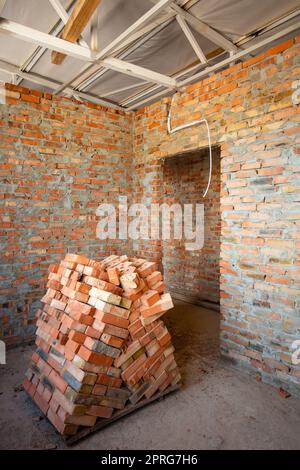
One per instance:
(218, 407)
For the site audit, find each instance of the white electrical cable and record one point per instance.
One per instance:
(191, 124)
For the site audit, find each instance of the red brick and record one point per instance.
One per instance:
(100, 411)
(113, 276)
(150, 298)
(99, 389)
(112, 340)
(67, 429)
(30, 98)
(94, 358)
(41, 402)
(77, 337)
(57, 381)
(111, 319)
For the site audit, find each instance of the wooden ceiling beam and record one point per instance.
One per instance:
(79, 18)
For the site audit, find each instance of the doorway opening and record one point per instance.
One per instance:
(194, 276)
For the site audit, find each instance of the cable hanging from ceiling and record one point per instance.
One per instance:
(192, 124)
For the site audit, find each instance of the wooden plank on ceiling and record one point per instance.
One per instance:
(79, 18)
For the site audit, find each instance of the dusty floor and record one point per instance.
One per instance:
(218, 407)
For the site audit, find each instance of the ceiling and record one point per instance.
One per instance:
(164, 48)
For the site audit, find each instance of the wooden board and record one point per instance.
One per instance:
(79, 18)
(84, 432)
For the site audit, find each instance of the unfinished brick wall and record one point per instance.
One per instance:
(185, 178)
(252, 117)
(59, 160)
(147, 184)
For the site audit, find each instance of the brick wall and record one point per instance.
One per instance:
(251, 115)
(59, 160)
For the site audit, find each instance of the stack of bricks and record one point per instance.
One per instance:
(101, 343)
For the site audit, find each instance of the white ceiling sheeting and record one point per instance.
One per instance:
(167, 51)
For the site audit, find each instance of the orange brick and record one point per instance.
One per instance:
(113, 330)
(154, 278)
(54, 364)
(147, 268)
(159, 287)
(150, 297)
(111, 319)
(30, 99)
(47, 394)
(74, 294)
(57, 381)
(41, 402)
(44, 367)
(114, 276)
(77, 259)
(100, 411)
(155, 385)
(133, 367)
(94, 358)
(134, 326)
(83, 318)
(85, 420)
(280, 47)
(71, 348)
(93, 333)
(115, 382)
(77, 336)
(99, 389)
(112, 340)
(81, 287)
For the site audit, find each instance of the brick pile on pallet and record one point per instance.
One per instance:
(101, 343)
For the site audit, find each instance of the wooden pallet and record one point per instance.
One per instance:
(84, 432)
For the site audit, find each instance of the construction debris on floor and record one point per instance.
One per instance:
(100, 340)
